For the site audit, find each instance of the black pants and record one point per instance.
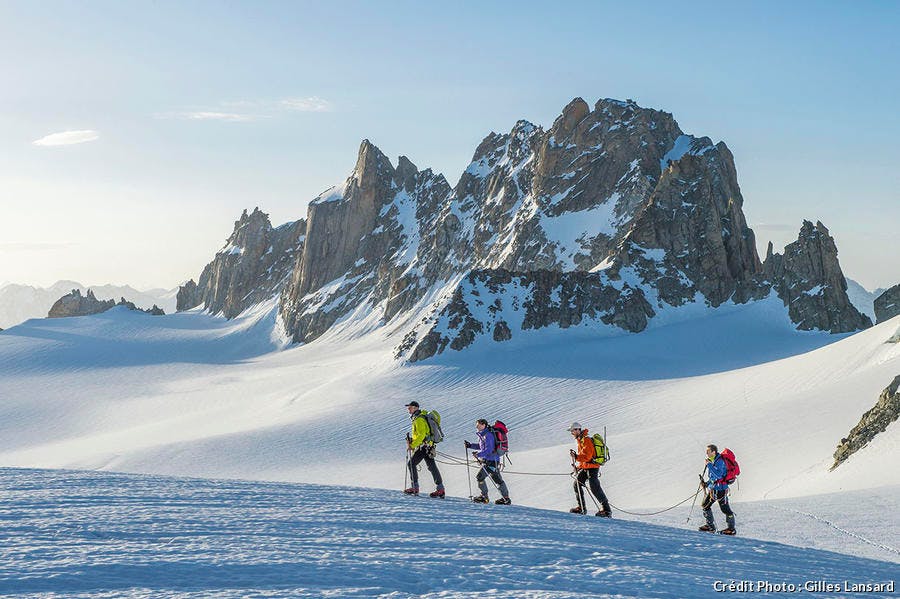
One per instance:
(490, 468)
(722, 498)
(593, 476)
(424, 453)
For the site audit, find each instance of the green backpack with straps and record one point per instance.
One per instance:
(601, 449)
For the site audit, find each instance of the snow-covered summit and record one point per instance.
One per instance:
(611, 215)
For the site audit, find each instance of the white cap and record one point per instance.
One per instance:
(574, 426)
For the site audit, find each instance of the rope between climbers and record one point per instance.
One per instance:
(652, 513)
(459, 462)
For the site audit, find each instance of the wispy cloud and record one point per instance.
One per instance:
(67, 138)
(311, 104)
(243, 111)
(210, 115)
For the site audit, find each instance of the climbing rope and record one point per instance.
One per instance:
(455, 461)
(691, 496)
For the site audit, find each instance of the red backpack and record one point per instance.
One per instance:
(501, 438)
(731, 466)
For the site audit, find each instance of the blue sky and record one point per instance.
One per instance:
(202, 109)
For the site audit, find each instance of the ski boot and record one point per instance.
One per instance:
(503, 501)
(728, 531)
(439, 494)
(707, 528)
(411, 491)
(480, 499)
(604, 514)
(576, 510)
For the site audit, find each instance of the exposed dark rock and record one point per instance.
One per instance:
(501, 331)
(808, 279)
(255, 265)
(887, 305)
(873, 422)
(75, 304)
(609, 216)
(188, 296)
(537, 299)
(691, 236)
(365, 236)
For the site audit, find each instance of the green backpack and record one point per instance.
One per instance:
(601, 450)
(433, 420)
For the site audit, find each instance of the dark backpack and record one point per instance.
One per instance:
(601, 450)
(732, 469)
(501, 438)
(433, 420)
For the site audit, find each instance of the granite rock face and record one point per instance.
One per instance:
(254, 266)
(365, 243)
(873, 422)
(188, 296)
(887, 305)
(606, 218)
(496, 302)
(808, 279)
(75, 304)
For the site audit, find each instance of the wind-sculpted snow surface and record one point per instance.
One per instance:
(80, 534)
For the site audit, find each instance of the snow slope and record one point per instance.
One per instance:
(193, 394)
(88, 534)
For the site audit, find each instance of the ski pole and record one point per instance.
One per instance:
(693, 503)
(579, 494)
(406, 466)
(468, 476)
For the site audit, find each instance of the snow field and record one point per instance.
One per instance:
(98, 534)
(192, 394)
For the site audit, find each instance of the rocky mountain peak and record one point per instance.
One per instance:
(254, 265)
(572, 114)
(406, 173)
(372, 166)
(76, 304)
(608, 217)
(809, 280)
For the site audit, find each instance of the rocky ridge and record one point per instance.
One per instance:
(885, 411)
(75, 304)
(608, 217)
(887, 305)
(254, 265)
(808, 278)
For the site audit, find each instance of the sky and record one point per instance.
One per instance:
(133, 134)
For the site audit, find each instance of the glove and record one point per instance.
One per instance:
(475, 454)
(572, 453)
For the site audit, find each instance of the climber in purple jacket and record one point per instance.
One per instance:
(486, 453)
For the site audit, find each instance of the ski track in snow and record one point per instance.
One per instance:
(91, 534)
(849, 533)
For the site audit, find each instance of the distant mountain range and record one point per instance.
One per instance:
(18, 303)
(608, 219)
